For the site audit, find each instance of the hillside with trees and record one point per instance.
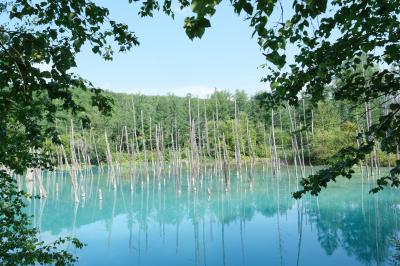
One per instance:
(319, 131)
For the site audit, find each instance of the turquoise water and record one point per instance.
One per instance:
(257, 225)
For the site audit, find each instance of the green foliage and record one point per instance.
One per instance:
(47, 35)
(325, 143)
(334, 128)
(38, 44)
(333, 38)
(19, 244)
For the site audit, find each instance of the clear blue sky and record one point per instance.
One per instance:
(168, 62)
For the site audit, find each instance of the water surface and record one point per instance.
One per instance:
(248, 225)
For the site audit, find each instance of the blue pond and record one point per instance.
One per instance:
(262, 224)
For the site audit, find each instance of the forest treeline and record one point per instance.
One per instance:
(160, 124)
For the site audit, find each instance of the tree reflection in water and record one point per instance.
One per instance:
(258, 224)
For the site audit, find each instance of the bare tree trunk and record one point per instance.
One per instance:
(175, 160)
(364, 136)
(75, 166)
(206, 130)
(250, 149)
(226, 165)
(144, 149)
(373, 154)
(199, 143)
(135, 138)
(386, 112)
(152, 150)
(282, 143)
(300, 152)
(110, 162)
(312, 122)
(215, 143)
(129, 152)
(276, 163)
(307, 137)
(38, 176)
(29, 181)
(192, 148)
(236, 139)
(265, 146)
(218, 135)
(158, 155)
(294, 142)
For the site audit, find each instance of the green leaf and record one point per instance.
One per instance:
(276, 59)
(248, 8)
